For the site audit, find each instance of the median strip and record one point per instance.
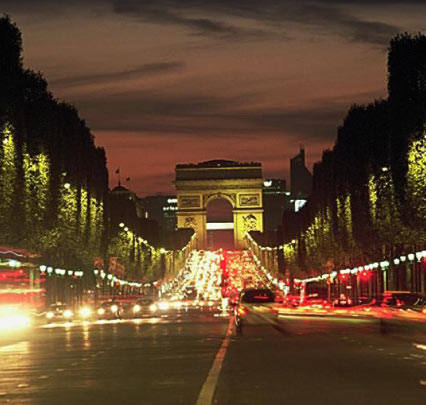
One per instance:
(207, 391)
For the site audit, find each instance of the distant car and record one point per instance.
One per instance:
(144, 306)
(292, 301)
(59, 312)
(254, 307)
(403, 299)
(109, 310)
(343, 301)
(85, 313)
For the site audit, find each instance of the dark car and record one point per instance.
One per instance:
(254, 307)
(403, 299)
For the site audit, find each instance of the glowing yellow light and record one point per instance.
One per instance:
(49, 315)
(67, 313)
(12, 318)
(101, 311)
(85, 312)
(114, 308)
(136, 308)
(153, 307)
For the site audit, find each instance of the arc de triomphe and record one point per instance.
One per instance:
(238, 183)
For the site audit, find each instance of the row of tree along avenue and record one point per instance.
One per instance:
(368, 204)
(54, 196)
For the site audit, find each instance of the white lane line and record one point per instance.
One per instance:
(207, 391)
(59, 370)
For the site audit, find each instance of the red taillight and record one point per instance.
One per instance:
(241, 311)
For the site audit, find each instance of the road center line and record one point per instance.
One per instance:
(207, 391)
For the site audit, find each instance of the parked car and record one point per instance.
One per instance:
(403, 300)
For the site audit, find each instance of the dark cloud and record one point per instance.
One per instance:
(321, 16)
(168, 13)
(143, 70)
(202, 115)
(216, 18)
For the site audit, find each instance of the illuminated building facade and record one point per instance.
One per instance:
(276, 199)
(162, 209)
(238, 183)
(301, 181)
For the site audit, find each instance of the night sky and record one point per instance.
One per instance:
(163, 82)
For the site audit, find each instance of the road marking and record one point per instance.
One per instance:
(43, 377)
(23, 385)
(207, 391)
(60, 369)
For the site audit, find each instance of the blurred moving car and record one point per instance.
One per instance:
(109, 310)
(254, 307)
(85, 313)
(144, 306)
(343, 301)
(59, 312)
(403, 300)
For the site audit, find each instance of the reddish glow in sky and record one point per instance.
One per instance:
(162, 82)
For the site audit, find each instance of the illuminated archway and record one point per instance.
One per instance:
(220, 224)
(238, 183)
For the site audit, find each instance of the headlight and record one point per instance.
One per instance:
(85, 312)
(153, 307)
(163, 306)
(114, 308)
(49, 315)
(136, 308)
(177, 304)
(67, 313)
(101, 311)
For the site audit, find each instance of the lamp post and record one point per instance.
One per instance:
(95, 274)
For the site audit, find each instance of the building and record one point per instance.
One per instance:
(161, 209)
(301, 181)
(276, 199)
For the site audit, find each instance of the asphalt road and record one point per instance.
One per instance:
(167, 360)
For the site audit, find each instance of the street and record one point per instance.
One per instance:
(166, 360)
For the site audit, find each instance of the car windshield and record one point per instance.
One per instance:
(145, 302)
(258, 296)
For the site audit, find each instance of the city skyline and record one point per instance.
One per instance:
(211, 81)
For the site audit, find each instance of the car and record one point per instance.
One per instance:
(109, 310)
(403, 300)
(144, 306)
(59, 312)
(255, 306)
(343, 301)
(85, 313)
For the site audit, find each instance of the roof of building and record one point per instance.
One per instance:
(217, 163)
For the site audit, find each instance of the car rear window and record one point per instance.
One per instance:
(258, 296)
